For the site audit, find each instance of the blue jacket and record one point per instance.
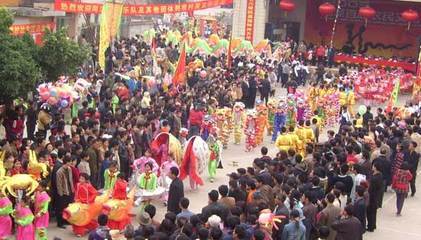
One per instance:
(293, 232)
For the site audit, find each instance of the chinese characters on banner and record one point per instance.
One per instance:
(249, 31)
(144, 9)
(21, 29)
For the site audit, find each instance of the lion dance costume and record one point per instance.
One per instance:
(250, 130)
(215, 154)
(222, 125)
(261, 121)
(238, 121)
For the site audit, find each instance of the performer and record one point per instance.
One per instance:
(206, 127)
(238, 121)
(120, 188)
(140, 163)
(184, 132)
(279, 121)
(229, 122)
(42, 216)
(148, 179)
(85, 193)
(196, 154)
(24, 219)
(120, 204)
(222, 125)
(250, 130)
(110, 175)
(6, 208)
(284, 141)
(215, 153)
(164, 172)
(351, 100)
(261, 121)
(271, 115)
(291, 111)
(301, 110)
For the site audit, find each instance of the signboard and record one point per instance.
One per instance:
(250, 10)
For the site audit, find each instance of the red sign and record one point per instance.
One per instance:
(21, 29)
(411, 67)
(249, 31)
(143, 9)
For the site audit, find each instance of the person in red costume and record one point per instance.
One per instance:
(85, 193)
(120, 188)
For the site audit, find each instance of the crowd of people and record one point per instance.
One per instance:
(310, 189)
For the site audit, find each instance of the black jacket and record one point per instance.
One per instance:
(175, 193)
(375, 190)
(215, 209)
(360, 211)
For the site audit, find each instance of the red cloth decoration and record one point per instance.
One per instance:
(188, 166)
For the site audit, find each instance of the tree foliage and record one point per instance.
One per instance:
(19, 71)
(59, 55)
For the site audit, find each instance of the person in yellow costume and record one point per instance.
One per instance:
(308, 133)
(283, 142)
(297, 144)
(358, 121)
(343, 97)
(351, 101)
(312, 96)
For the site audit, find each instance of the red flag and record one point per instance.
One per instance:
(180, 71)
(229, 56)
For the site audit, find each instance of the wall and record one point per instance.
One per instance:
(385, 35)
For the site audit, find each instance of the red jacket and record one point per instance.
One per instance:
(196, 118)
(400, 181)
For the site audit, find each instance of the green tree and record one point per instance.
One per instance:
(59, 55)
(19, 72)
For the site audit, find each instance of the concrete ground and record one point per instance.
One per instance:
(389, 227)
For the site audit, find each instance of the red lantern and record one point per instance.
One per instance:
(326, 9)
(287, 6)
(366, 12)
(410, 16)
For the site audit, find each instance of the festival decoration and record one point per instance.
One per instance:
(287, 6)
(410, 16)
(179, 77)
(327, 9)
(139, 9)
(250, 15)
(36, 169)
(366, 12)
(20, 29)
(109, 26)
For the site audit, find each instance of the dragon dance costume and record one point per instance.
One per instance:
(271, 115)
(223, 128)
(42, 216)
(250, 130)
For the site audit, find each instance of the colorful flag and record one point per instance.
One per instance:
(393, 97)
(180, 71)
(229, 55)
(109, 27)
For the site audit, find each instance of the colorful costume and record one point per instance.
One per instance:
(284, 142)
(222, 125)
(85, 194)
(291, 111)
(109, 179)
(250, 130)
(215, 155)
(148, 181)
(351, 101)
(272, 104)
(261, 121)
(206, 127)
(196, 153)
(119, 206)
(42, 216)
(238, 121)
(24, 220)
(165, 144)
(6, 209)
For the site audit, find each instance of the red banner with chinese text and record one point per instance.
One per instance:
(142, 9)
(20, 29)
(249, 30)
